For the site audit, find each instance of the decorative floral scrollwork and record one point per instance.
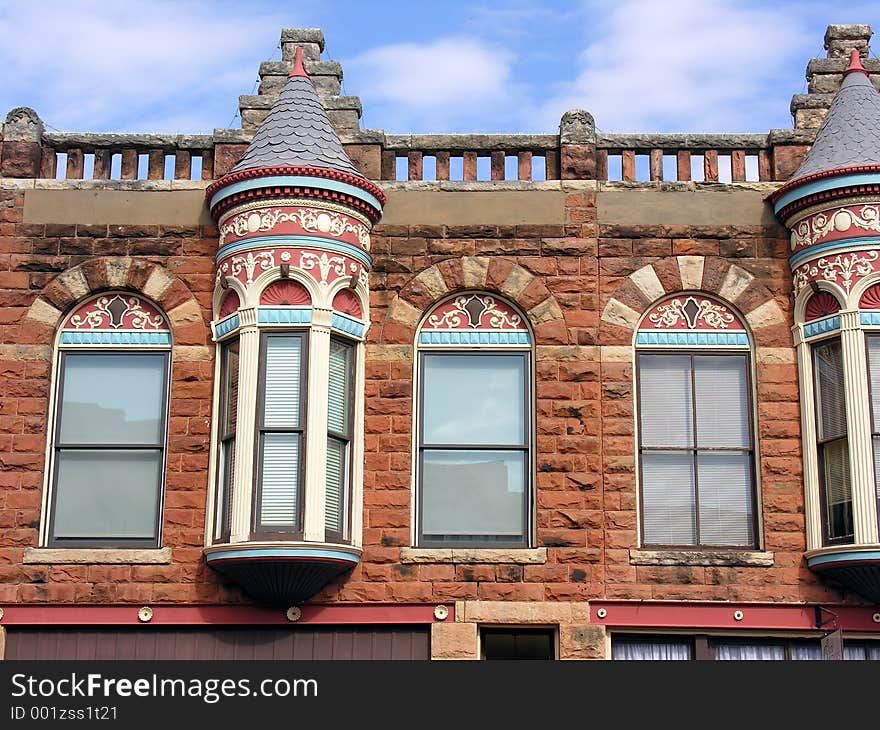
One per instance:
(264, 259)
(476, 311)
(844, 269)
(118, 312)
(324, 263)
(688, 313)
(263, 220)
(815, 228)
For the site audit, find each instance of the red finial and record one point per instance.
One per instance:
(297, 68)
(855, 63)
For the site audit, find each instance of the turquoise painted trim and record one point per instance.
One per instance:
(323, 244)
(827, 184)
(277, 315)
(115, 338)
(468, 337)
(348, 326)
(860, 555)
(870, 319)
(321, 183)
(297, 552)
(821, 327)
(224, 327)
(690, 339)
(808, 253)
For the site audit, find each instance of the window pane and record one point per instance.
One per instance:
(874, 374)
(722, 400)
(280, 480)
(230, 395)
(668, 498)
(806, 651)
(334, 513)
(473, 493)
(474, 399)
(223, 516)
(726, 509)
(749, 651)
(112, 399)
(107, 494)
(666, 400)
(340, 358)
(830, 395)
(838, 491)
(666, 649)
(283, 375)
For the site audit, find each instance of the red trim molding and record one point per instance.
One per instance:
(176, 615)
(276, 191)
(696, 616)
(826, 196)
(792, 184)
(304, 170)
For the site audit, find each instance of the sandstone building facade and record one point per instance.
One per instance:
(302, 389)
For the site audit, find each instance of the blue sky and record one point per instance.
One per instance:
(452, 66)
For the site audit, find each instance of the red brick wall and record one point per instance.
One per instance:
(564, 275)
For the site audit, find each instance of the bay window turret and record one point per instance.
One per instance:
(291, 313)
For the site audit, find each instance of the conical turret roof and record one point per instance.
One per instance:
(297, 132)
(850, 135)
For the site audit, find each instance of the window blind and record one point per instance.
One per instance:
(279, 484)
(334, 509)
(830, 393)
(726, 502)
(874, 378)
(283, 374)
(722, 401)
(338, 405)
(668, 492)
(666, 400)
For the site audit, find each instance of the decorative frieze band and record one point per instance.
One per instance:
(836, 224)
(845, 269)
(322, 266)
(295, 220)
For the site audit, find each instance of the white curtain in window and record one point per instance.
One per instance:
(738, 651)
(666, 649)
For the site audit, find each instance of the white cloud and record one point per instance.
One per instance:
(93, 65)
(433, 87)
(701, 65)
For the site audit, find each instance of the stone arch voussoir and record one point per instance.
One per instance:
(711, 274)
(183, 310)
(500, 275)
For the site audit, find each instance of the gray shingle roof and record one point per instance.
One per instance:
(296, 132)
(850, 134)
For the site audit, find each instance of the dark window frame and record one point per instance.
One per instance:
(225, 439)
(57, 446)
(527, 449)
(347, 438)
(296, 531)
(696, 450)
(517, 632)
(820, 448)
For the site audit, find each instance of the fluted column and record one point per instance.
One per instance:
(808, 439)
(243, 476)
(858, 417)
(316, 425)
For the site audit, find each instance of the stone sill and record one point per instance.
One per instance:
(519, 556)
(98, 556)
(736, 558)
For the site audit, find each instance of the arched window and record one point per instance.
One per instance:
(107, 460)
(474, 431)
(696, 440)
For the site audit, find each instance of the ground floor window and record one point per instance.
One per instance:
(725, 648)
(508, 643)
